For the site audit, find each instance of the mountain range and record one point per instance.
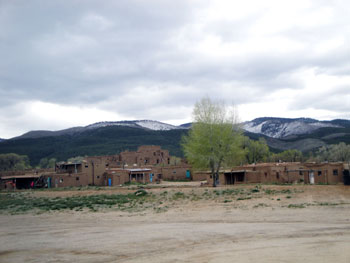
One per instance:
(104, 138)
(141, 124)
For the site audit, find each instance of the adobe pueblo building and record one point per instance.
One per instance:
(146, 165)
(282, 173)
(151, 164)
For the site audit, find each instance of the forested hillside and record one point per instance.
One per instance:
(102, 141)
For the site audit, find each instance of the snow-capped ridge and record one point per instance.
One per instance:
(146, 124)
(283, 127)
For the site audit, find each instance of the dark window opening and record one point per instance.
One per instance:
(240, 177)
(77, 178)
(265, 175)
(335, 172)
(277, 175)
(301, 173)
(229, 178)
(319, 173)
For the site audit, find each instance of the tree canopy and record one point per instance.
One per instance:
(215, 139)
(334, 153)
(12, 162)
(256, 151)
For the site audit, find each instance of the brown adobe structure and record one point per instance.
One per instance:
(146, 165)
(151, 164)
(281, 173)
(145, 156)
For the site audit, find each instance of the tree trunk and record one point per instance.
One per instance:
(216, 173)
(213, 175)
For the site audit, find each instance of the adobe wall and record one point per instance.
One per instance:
(175, 173)
(327, 173)
(252, 177)
(95, 167)
(199, 175)
(118, 177)
(67, 180)
(145, 155)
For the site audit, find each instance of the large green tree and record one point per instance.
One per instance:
(215, 139)
(256, 151)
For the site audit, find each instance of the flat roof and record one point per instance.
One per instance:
(139, 170)
(20, 176)
(237, 171)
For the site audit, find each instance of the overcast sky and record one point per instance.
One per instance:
(73, 63)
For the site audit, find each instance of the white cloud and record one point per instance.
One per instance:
(40, 115)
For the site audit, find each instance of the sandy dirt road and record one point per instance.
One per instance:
(202, 231)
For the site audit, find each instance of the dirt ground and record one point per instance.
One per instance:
(311, 225)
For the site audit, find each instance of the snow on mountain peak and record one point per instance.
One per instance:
(279, 127)
(147, 124)
(156, 125)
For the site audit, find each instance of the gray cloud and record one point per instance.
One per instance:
(149, 59)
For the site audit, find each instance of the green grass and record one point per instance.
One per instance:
(296, 206)
(179, 195)
(244, 198)
(22, 202)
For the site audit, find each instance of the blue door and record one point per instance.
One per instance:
(109, 181)
(49, 182)
(150, 177)
(188, 174)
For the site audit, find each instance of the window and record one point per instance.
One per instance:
(335, 172)
(86, 166)
(319, 173)
(265, 175)
(98, 177)
(174, 172)
(77, 178)
(61, 180)
(240, 177)
(277, 175)
(301, 173)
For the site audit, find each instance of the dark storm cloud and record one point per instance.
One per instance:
(53, 49)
